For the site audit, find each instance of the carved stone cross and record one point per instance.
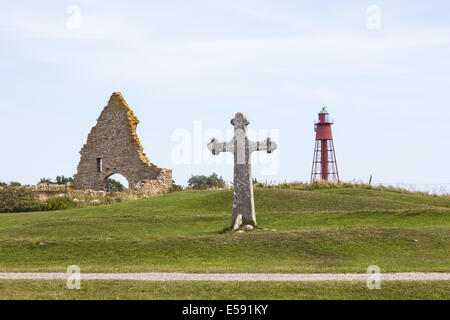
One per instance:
(242, 148)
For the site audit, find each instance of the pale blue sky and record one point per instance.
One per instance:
(279, 62)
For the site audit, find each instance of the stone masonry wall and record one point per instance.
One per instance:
(113, 147)
(154, 187)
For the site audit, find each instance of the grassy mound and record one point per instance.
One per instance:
(322, 230)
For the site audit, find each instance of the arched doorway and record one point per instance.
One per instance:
(116, 182)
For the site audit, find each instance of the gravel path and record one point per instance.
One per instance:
(161, 276)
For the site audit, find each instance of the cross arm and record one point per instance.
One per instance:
(267, 144)
(217, 147)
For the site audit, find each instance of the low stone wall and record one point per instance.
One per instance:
(154, 187)
(147, 187)
(49, 188)
(45, 191)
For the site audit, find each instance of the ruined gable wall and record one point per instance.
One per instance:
(114, 140)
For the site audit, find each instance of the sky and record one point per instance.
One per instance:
(382, 68)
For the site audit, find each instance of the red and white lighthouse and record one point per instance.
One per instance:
(324, 165)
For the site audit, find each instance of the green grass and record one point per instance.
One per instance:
(441, 201)
(113, 289)
(326, 230)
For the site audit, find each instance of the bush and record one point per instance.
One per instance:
(3, 184)
(59, 180)
(175, 187)
(18, 199)
(58, 203)
(15, 184)
(204, 182)
(114, 186)
(63, 180)
(45, 181)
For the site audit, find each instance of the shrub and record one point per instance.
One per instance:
(45, 181)
(175, 187)
(204, 182)
(58, 203)
(18, 199)
(114, 186)
(3, 184)
(63, 180)
(59, 180)
(15, 184)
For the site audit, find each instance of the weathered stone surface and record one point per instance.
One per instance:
(44, 191)
(154, 187)
(242, 148)
(43, 187)
(113, 147)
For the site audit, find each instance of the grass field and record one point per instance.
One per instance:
(192, 290)
(316, 231)
(324, 230)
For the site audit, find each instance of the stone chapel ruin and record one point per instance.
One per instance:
(113, 147)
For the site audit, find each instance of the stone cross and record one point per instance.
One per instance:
(242, 148)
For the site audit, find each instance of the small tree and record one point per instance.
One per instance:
(204, 182)
(63, 180)
(175, 187)
(15, 184)
(197, 182)
(45, 181)
(114, 185)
